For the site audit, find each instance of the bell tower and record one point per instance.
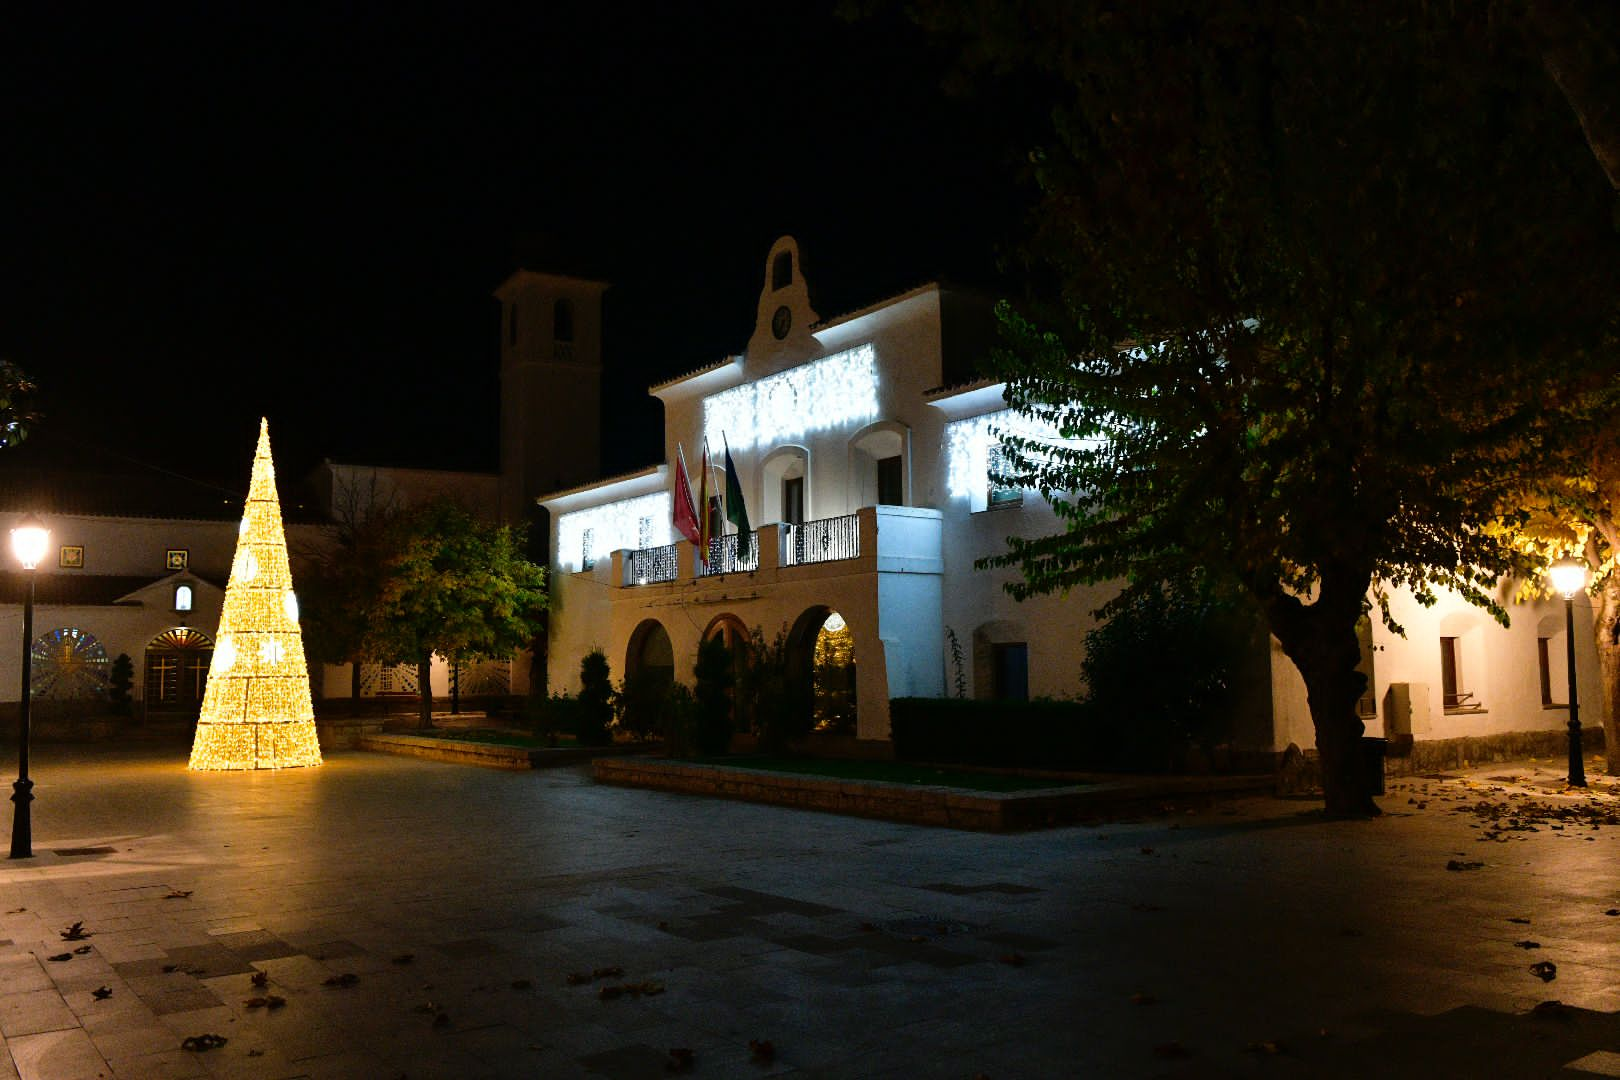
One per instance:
(551, 386)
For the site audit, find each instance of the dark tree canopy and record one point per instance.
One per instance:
(1318, 285)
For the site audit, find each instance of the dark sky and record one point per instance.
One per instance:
(206, 215)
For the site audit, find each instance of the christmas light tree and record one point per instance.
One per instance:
(256, 711)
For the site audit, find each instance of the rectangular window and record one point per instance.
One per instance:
(793, 500)
(1544, 664)
(1011, 672)
(1001, 495)
(890, 486)
(1451, 694)
(587, 549)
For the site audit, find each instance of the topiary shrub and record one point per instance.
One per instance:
(642, 699)
(595, 700)
(712, 683)
(120, 680)
(765, 699)
(678, 716)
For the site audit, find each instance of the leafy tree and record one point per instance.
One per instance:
(17, 413)
(1314, 289)
(454, 585)
(595, 699)
(712, 680)
(765, 693)
(340, 580)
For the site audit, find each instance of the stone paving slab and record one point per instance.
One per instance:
(1246, 938)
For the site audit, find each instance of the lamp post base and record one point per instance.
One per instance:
(22, 823)
(1577, 759)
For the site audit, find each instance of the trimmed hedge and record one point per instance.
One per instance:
(1010, 734)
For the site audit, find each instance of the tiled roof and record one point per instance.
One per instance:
(71, 589)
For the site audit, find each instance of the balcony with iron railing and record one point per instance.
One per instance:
(874, 539)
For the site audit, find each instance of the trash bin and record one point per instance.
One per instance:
(1373, 750)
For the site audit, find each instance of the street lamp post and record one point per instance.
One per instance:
(28, 542)
(1569, 577)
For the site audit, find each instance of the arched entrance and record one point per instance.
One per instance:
(821, 671)
(649, 671)
(177, 670)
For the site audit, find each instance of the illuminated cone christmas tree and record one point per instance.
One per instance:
(256, 711)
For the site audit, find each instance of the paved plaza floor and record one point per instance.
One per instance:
(386, 917)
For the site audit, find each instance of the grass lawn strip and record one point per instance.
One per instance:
(892, 772)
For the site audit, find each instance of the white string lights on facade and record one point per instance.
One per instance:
(643, 521)
(968, 445)
(256, 710)
(830, 392)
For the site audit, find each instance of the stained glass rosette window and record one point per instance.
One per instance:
(256, 711)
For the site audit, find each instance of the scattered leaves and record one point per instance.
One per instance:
(1546, 970)
(101, 993)
(200, 1043)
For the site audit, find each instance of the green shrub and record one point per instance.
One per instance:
(120, 680)
(712, 684)
(766, 700)
(1167, 670)
(556, 715)
(679, 719)
(595, 700)
(642, 700)
(1009, 734)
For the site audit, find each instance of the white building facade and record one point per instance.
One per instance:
(866, 475)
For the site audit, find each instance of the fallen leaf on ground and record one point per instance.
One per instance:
(1527, 944)
(60, 958)
(403, 958)
(1458, 864)
(75, 932)
(170, 969)
(442, 1020)
(1147, 851)
(270, 1001)
(348, 978)
(1269, 1046)
(762, 1051)
(16, 911)
(260, 978)
(1546, 970)
(177, 894)
(607, 972)
(1613, 911)
(1526, 922)
(101, 993)
(203, 1042)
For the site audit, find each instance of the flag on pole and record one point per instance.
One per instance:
(736, 508)
(686, 519)
(705, 526)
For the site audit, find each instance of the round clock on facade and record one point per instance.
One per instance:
(781, 322)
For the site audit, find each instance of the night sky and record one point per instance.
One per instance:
(209, 216)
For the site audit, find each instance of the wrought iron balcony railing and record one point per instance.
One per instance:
(826, 540)
(647, 565)
(726, 557)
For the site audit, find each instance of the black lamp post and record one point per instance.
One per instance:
(28, 542)
(1569, 577)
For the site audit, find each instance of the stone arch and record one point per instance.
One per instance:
(786, 463)
(995, 654)
(809, 695)
(874, 451)
(730, 629)
(649, 650)
(176, 668)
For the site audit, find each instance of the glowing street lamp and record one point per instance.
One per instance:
(28, 542)
(1569, 577)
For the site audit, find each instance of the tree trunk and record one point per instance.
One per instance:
(424, 686)
(1606, 632)
(1583, 64)
(354, 688)
(1320, 638)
